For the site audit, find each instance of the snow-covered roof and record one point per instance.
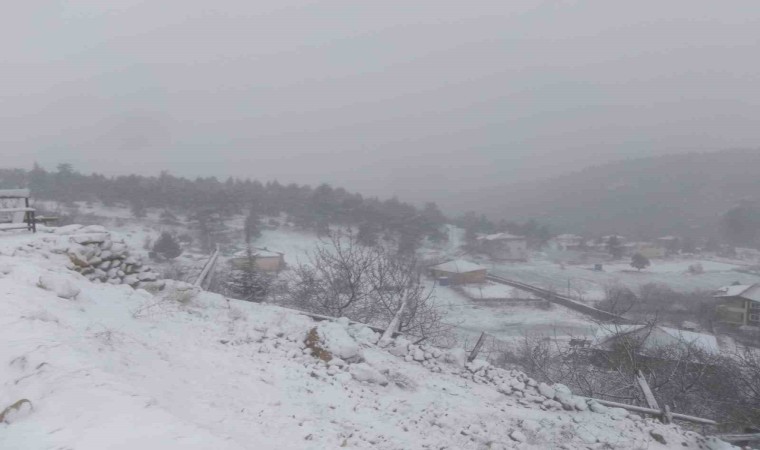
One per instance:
(745, 291)
(458, 266)
(568, 236)
(14, 193)
(662, 337)
(500, 237)
(259, 253)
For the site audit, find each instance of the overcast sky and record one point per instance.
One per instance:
(415, 98)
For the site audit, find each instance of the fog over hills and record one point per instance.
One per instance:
(639, 197)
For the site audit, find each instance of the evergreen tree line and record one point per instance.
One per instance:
(206, 200)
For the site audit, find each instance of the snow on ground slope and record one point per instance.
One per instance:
(119, 368)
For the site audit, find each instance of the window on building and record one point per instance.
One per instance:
(754, 318)
(754, 305)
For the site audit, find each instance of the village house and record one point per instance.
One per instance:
(649, 250)
(568, 242)
(747, 254)
(740, 304)
(459, 272)
(263, 259)
(504, 246)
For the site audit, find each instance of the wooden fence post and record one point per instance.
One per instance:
(478, 345)
(651, 401)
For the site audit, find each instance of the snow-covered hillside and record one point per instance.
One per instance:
(117, 368)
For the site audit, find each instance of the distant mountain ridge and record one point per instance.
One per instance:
(676, 194)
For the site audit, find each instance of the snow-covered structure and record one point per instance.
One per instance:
(653, 339)
(459, 271)
(567, 242)
(264, 259)
(740, 304)
(503, 246)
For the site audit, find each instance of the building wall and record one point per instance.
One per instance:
(265, 263)
(506, 249)
(477, 276)
(753, 313)
(651, 251)
(734, 311)
(269, 263)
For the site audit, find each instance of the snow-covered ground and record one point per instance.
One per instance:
(586, 284)
(509, 321)
(117, 368)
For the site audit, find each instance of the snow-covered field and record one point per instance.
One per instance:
(117, 368)
(586, 284)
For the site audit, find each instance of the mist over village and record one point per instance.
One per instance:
(419, 225)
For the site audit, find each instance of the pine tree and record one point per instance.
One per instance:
(167, 247)
(246, 282)
(639, 261)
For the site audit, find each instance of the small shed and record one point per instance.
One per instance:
(459, 271)
(504, 246)
(264, 259)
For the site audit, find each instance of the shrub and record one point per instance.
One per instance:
(167, 247)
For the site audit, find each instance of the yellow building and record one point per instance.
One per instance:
(263, 260)
(459, 272)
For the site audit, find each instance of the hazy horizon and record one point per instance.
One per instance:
(384, 99)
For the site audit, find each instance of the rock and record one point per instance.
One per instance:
(106, 245)
(418, 354)
(94, 261)
(551, 404)
(518, 436)
(93, 238)
(152, 286)
(105, 265)
(477, 366)
(585, 436)
(93, 229)
(658, 437)
(617, 413)
(147, 276)
(106, 255)
(100, 274)
(400, 347)
(131, 280)
(368, 374)
(68, 229)
(338, 342)
(580, 404)
(343, 377)
(120, 250)
(456, 357)
(336, 362)
(546, 390)
(62, 287)
(597, 407)
(78, 257)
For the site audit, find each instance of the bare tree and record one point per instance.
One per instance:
(366, 284)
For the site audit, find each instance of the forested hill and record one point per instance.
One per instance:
(648, 197)
(206, 200)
